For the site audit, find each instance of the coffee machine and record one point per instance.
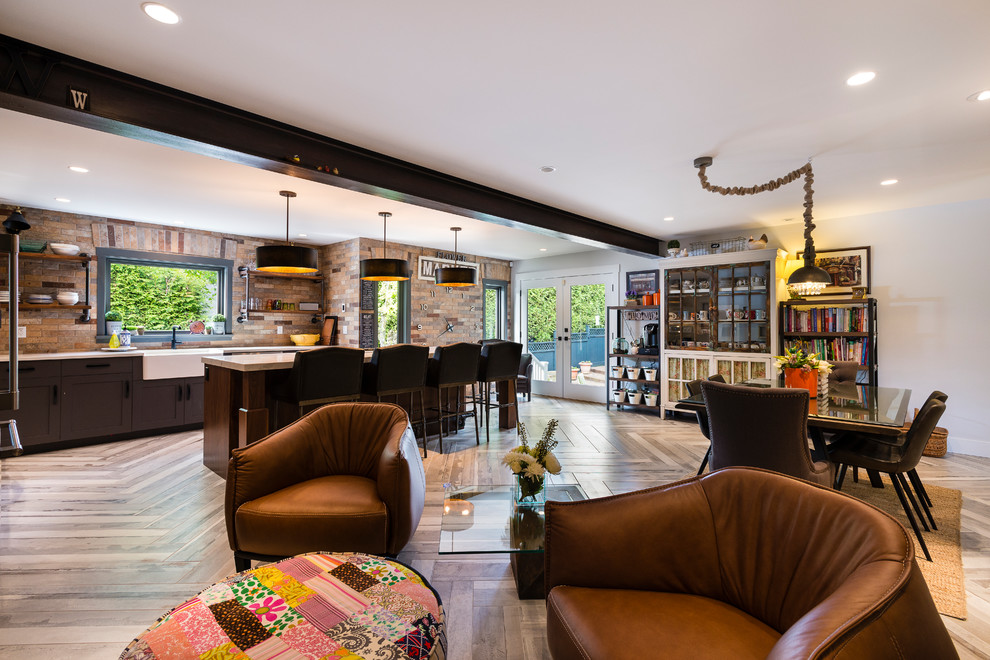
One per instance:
(651, 346)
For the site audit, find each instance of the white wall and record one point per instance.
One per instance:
(931, 279)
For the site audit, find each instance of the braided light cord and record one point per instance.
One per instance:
(809, 179)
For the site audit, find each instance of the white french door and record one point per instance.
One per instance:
(563, 326)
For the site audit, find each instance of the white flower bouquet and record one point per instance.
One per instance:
(530, 464)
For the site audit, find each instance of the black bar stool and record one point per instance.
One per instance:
(694, 387)
(395, 370)
(454, 366)
(499, 362)
(320, 376)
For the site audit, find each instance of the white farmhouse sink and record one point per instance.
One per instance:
(176, 362)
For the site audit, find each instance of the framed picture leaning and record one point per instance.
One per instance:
(643, 281)
(848, 267)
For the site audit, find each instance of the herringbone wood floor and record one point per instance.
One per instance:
(97, 542)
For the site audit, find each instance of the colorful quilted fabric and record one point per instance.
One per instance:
(312, 607)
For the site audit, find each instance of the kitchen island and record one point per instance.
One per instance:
(237, 412)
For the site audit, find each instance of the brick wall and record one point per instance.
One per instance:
(58, 330)
(461, 306)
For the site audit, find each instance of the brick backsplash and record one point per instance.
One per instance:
(58, 330)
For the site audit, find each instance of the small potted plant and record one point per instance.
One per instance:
(114, 322)
(219, 324)
(585, 366)
(140, 329)
(673, 247)
(650, 397)
(632, 297)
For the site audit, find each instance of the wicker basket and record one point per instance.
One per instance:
(938, 443)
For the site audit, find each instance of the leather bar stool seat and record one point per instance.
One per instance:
(499, 362)
(397, 370)
(454, 366)
(320, 376)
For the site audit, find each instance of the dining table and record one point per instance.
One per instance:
(846, 407)
(237, 399)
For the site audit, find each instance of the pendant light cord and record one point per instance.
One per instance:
(287, 219)
(809, 179)
(385, 215)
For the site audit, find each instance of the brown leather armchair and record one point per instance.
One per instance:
(346, 477)
(739, 563)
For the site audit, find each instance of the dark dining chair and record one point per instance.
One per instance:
(897, 461)
(693, 388)
(453, 367)
(524, 379)
(762, 427)
(395, 370)
(843, 371)
(319, 376)
(499, 362)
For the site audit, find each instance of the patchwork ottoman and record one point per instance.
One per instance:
(314, 606)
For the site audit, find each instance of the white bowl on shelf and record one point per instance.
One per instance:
(65, 249)
(67, 298)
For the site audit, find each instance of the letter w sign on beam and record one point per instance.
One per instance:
(77, 99)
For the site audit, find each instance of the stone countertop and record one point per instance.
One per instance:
(138, 352)
(263, 362)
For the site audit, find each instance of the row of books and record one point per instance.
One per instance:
(836, 349)
(825, 319)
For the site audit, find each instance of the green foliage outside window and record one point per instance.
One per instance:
(388, 313)
(587, 309)
(491, 314)
(158, 297)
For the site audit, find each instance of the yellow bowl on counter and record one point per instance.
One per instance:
(304, 340)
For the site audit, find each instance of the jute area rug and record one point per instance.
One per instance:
(944, 574)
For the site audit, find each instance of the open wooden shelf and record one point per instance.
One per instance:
(80, 258)
(285, 311)
(288, 276)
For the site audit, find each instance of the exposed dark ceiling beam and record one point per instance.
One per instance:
(49, 84)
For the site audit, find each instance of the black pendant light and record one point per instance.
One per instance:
(384, 269)
(15, 223)
(456, 275)
(287, 258)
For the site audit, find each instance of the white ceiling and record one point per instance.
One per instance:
(620, 97)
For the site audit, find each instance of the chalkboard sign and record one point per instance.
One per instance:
(368, 301)
(367, 337)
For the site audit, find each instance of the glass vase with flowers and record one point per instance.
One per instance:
(531, 464)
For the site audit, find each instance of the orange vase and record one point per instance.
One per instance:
(799, 378)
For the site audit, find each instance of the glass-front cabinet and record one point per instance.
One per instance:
(722, 308)
(720, 313)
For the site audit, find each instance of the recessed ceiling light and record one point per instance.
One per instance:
(979, 96)
(860, 78)
(669, 218)
(543, 249)
(302, 235)
(63, 199)
(180, 222)
(76, 168)
(547, 169)
(888, 182)
(160, 13)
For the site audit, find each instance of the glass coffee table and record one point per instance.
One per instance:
(484, 520)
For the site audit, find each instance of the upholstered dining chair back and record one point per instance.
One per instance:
(742, 563)
(499, 361)
(921, 430)
(762, 427)
(694, 386)
(454, 364)
(396, 369)
(321, 375)
(843, 371)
